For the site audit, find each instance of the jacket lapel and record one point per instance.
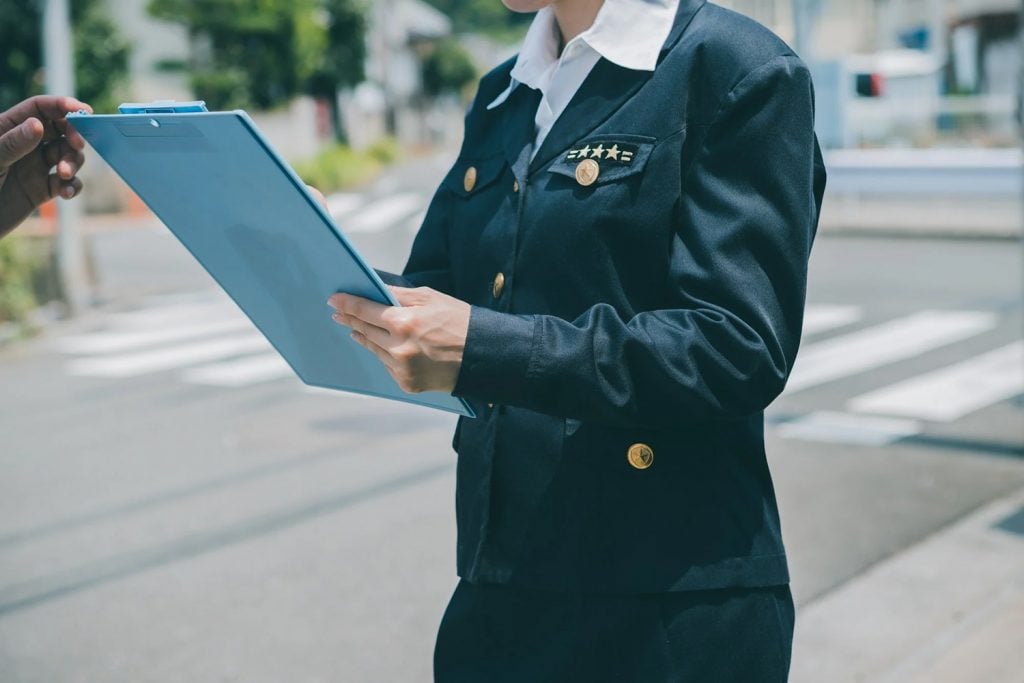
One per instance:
(519, 130)
(606, 88)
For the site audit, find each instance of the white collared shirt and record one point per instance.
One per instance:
(629, 33)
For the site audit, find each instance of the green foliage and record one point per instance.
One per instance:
(20, 51)
(485, 16)
(447, 69)
(225, 88)
(16, 275)
(101, 57)
(101, 54)
(250, 52)
(340, 166)
(342, 61)
(386, 150)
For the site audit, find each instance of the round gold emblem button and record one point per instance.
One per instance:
(587, 172)
(498, 285)
(640, 456)
(469, 180)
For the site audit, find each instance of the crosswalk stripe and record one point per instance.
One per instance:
(170, 358)
(383, 213)
(836, 427)
(169, 316)
(823, 317)
(952, 392)
(114, 342)
(899, 339)
(240, 372)
(342, 203)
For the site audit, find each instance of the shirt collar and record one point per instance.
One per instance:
(629, 33)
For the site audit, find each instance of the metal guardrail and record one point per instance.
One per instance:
(969, 172)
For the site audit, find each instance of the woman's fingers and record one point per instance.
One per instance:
(359, 307)
(382, 355)
(378, 335)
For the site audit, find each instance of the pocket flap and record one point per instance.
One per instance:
(469, 176)
(616, 156)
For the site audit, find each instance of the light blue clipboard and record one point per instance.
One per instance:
(243, 213)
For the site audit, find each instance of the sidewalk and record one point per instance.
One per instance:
(947, 610)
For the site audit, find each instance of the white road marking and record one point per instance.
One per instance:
(952, 392)
(191, 296)
(824, 317)
(157, 360)
(899, 339)
(836, 427)
(383, 213)
(342, 203)
(170, 316)
(241, 371)
(114, 342)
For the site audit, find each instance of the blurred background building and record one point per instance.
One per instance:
(907, 72)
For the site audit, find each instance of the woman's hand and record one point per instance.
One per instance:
(419, 342)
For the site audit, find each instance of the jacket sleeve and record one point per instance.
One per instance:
(736, 281)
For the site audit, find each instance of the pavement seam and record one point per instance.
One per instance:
(900, 612)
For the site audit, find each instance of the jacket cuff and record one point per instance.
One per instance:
(393, 279)
(496, 358)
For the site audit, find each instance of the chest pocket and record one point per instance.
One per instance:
(601, 159)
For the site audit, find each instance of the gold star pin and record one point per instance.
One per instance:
(612, 152)
(597, 152)
(582, 153)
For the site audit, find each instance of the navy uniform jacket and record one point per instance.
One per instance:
(629, 329)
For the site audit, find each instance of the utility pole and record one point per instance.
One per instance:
(60, 80)
(805, 12)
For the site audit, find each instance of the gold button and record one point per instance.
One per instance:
(515, 186)
(469, 180)
(498, 285)
(490, 405)
(640, 456)
(587, 172)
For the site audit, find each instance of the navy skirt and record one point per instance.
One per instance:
(499, 633)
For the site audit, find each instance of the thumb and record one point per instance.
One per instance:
(411, 296)
(19, 141)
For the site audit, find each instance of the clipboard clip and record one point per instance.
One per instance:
(163, 107)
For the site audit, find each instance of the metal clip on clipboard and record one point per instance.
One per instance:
(163, 107)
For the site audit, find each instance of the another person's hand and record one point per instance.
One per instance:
(319, 196)
(419, 342)
(35, 139)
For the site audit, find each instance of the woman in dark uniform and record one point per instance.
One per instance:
(613, 274)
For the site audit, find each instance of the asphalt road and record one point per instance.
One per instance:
(174, 507)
